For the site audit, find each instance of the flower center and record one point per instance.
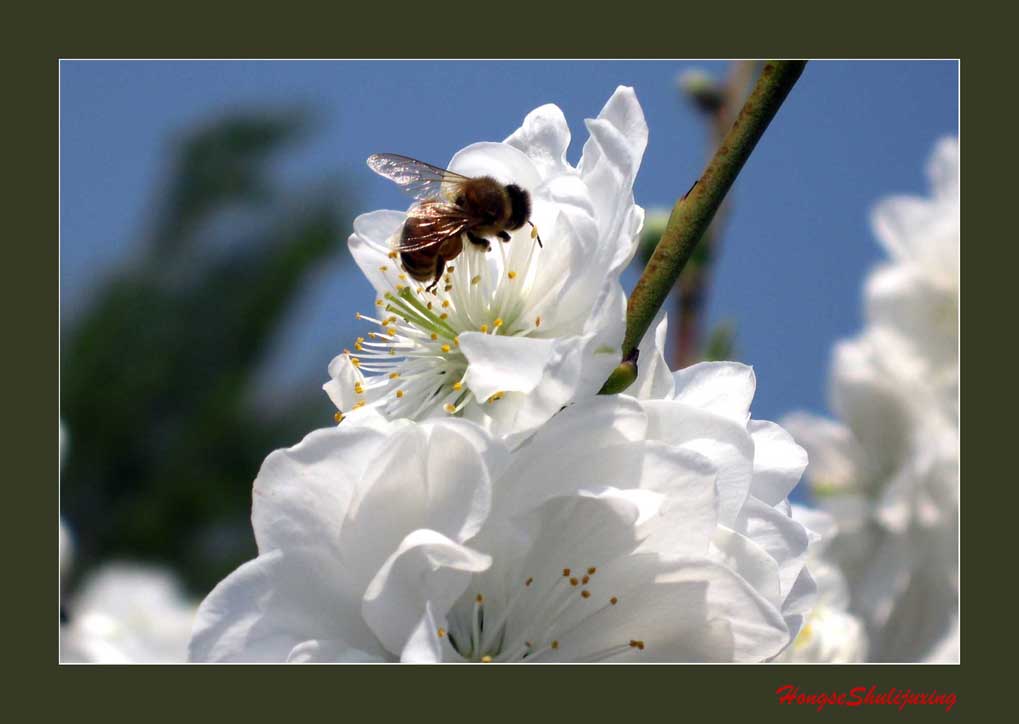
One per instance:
(411, 365)
(536, 618)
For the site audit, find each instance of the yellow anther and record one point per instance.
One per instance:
(400, 287)
(458, 386)
(357, 315)
(338, 417)
(388, 320)
(399, 394)
(511, 274)
(566, 573)
(635, 644)
(359, 405)
(445, 303)
(613, 600)
(441, 632)
(585, 579)
(484, 329)
(355, 361)
(379, 302)
(434, 336)
(529, 581)
(393, 375)
(429, 305)
(591, 571)
(554, 644)
(486, 659)
(391, 331)
(402, 277)
(479, 598)
(383, 268)
(574, 581)
(537, 322)
(456, 340)
(534, 232)
(392, 255)
(448, 287)
(443, 316)
(475, 279)
(446, 348)
(585, 593)
(359, 388)
(358, 346)
(497, 323)
(372, 335)
(448, 407)
(451, 269)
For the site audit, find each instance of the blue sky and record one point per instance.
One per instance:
(797, 246)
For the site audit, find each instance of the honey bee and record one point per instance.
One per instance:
(450, 206)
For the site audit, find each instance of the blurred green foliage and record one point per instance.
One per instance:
(158, 371)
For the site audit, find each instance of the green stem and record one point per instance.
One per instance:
(693, 213)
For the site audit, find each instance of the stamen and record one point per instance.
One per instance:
(511, 274)
(486, 659)
(399, 394)
(338, 417)
(585, 593)
(441, 632)
(484, 329)
(614, 600)
(446, 348)
(537, 322)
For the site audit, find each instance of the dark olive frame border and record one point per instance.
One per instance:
(632, 30)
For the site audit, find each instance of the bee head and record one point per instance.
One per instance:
(520, 207)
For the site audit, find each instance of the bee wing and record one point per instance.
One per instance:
(434, 223)
(419, 179)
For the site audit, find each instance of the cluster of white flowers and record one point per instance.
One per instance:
(889, 471)
(480, 502)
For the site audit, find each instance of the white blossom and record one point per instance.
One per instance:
(888, 470)
(510, 336)
(622, 530)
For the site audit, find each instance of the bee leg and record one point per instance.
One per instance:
(535, 234)
(475, 239)
(504, 235)
(440, 266)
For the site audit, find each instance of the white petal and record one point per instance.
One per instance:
(329, 651)
(778, 461)
(783, 538)
(423, 645)
(544, 136)
(725, 388)
(502, 162)
(302, 493)
(427, 567)
(498, 363)
(265, 608)
(654, 378)
(724, 442)
(370, 246)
